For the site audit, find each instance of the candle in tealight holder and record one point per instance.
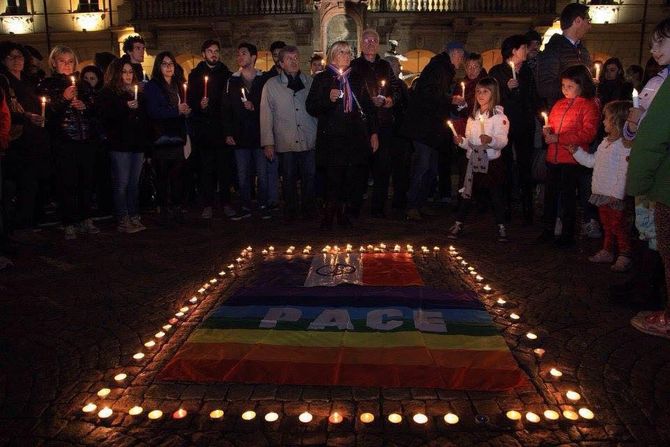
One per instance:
(487, 288)
(473, 273)
(155, 414)
(305, 251)
(150, 344)
(539, 352)
(248, 415)
(271, 249)
(184, 309)
(555, 373)
(179, 414)
(231, 266)
(201, 290)
(459, 258)
(570, 415)
(167, 327)
(179, 314)
(573, 395)
(159, 334)
(420, 418)
(213, 281)
(305, 417)
(216, 414)
(361, 249)
(222, 273)
(531, 336)
(514, 316)
(249, 249)
(451, 418)
(479, 278)
(464, 263)
(105, 413)
(138, 356)
(452, 248)
(471, 268)
(532, 417)
(136, 410)
(394, 418)
(271, 416)
(396, 248)
(586, 413)
(173, 320)
(436, 248)
(551, 415)
(193, 300)
(89, 407)
(367, 418)
(335, 418)
(120, 377)
(104, 392)
(501, 301)
(513, 415)
(264, 252)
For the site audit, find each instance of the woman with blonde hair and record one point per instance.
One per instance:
(346, 132)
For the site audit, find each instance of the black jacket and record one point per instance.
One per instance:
(373, 73)
(216, 84)
(430, 103)
(127, 130)
(342, 138)
(242, 124)
(521, 104)
(62, 120)
(558, 54)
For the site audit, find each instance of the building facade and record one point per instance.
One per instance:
(421, 27)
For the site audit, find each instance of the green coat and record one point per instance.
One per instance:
(649, 165)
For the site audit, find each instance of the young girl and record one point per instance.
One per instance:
(485, 137)
(573, 120)
(610, 165)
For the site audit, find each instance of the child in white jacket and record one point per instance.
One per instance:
(610, 166)
(485, 137)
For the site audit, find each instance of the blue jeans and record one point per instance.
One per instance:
(296, 165)
(423, 174)
(126, 169)
(244, 157)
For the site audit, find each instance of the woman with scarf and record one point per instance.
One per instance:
(346, 131)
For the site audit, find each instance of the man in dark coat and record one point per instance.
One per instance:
(216, 160)
(379, 81)
(425, 122)
(563, 51)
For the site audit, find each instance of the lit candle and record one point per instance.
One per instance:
(367, 418)
(305, 417)
(382, 84)
(481, 123)
(206, 80)
(135, 88)
(420, 418)
(555, 372)
(511, 64)
(185, 91)
(335, 418)
(532, 417)
(105, 413)
(248, 415)
(89, 408)
(546, 119)
(136, 410)
(513, 415)
(271, 417)
(395, 418)
(551, 415)
(216, 414)
(244, 95)
(573, 395)
(451, 126)
(636, 98)
(44, 106)
(570, 415)
(74, 84)
(179, 414)
(155, 414)
(597, 71)
(451, 418)
(463, 89)
(586, 413)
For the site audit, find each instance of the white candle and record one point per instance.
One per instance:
(463, 89)
(636, 99)
(244, 95)
(135, 88)
(481, 123)
(44, 106)
(74, 84)
(206, 80)
(382, 84)
(451, 126)
(546, 119)
(597, 71)
(185, 91)
(511, 64)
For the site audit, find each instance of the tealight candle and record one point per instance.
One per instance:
(264, 252)
(395, 418)
(179, 414)
(201, 290)
(193, 300)
(586, 413)
(555, 372)
(136, 410)
(271, 416)
(451, 418)
(573, 395)
(184, 309)
(167, 327)
(539, 352)
(216, 414)
(570, 415)
(179, 314)
(155, 414)
(213, 281)
(150, 344)
(513, 415)
(120, 377)
(138, 356)
(222, 273)
(248, 415)
(420, 418)
(335, 418)
(271, 248)
(367, 418)
(514, 316)
(305, 417)
(531, 336)
(532, 417)
(105, 413)
(89, 408)
(231, 266)
(500, 301)
(551, 415)
(479, 278)
(159, 334)
(487, 288)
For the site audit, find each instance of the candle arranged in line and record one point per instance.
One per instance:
(597, 71)
(546, 119)
(451, 126)
(244, 95)
(135, 87)
(185, 91)
(511, 64)
(206, 80)
(636, 98)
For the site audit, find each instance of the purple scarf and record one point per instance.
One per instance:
(343, 80)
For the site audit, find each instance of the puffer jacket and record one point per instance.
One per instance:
(575, 121)
(63, 121)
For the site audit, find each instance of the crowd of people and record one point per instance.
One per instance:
(100, 140)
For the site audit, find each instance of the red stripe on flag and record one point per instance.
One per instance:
(390, 269)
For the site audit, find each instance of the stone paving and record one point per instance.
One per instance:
(75, 312)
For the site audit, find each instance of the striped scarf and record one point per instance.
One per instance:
(342, 78)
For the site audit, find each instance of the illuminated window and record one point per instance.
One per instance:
(89, 6)
(16, 7)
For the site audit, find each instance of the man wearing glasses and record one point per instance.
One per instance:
(563, 51)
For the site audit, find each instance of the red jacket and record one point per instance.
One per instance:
(575, 121)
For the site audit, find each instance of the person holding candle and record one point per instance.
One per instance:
(518, 95)
(610, 165)
(70, 122)
(485, 138)
(27, 162)
(125, 123)
(429, 107)
(167, 111)
(206, 84)
(346, 131)
(378, 77)
(241, 128)
(572, 121)
(562, 51)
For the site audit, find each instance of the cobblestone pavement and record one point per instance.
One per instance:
(74, 313)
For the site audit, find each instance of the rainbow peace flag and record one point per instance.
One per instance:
(345, 320)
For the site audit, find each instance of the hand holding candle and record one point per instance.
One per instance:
(511, 64)
(244, 95)
(135, 87)
(382, 84)
(597, 66)
(451, 126)
(546, 119)
(74, 84)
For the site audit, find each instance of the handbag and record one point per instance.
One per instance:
(15, 107)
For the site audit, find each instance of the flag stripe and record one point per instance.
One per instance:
(390, 269)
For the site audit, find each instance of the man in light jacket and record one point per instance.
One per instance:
(289, 132)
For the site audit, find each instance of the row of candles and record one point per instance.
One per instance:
(336, 417)
(555, 373)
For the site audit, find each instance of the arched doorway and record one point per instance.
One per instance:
(416, 60)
